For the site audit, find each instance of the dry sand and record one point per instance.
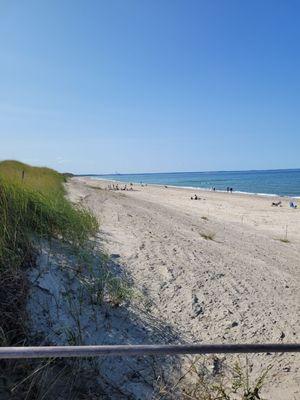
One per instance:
(241, 287)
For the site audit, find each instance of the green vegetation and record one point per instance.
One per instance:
(36, 217)
(233, 383)
(32, 207)
(213, 378)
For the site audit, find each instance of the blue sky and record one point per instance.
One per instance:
(94, 86)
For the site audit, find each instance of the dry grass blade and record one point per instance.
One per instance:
(208, 235)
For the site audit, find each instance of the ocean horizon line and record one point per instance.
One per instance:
(190, 172)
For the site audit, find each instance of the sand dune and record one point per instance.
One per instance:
(214, 268)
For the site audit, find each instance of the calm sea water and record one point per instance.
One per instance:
(276, 182)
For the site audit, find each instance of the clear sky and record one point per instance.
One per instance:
(98, 86)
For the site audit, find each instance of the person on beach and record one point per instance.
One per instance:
(231, 190)
(276, 204)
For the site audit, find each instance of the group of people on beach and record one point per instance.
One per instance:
(116, 187)
(196, 197)
(293, 204)
(228, 189)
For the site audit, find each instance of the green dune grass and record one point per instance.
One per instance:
(33, 206)
(33, 209)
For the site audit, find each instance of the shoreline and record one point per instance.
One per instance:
(191, 188)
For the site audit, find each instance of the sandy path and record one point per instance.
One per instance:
(242, 286)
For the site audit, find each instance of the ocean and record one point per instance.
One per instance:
(269, 182)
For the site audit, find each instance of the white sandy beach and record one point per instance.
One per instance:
(241, 287)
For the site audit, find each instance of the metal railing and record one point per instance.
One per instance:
(134, 350)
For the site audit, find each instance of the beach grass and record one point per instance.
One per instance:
(283, 240)
(33, 206)
(37, 217)
(33, 209)
(208, 235)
